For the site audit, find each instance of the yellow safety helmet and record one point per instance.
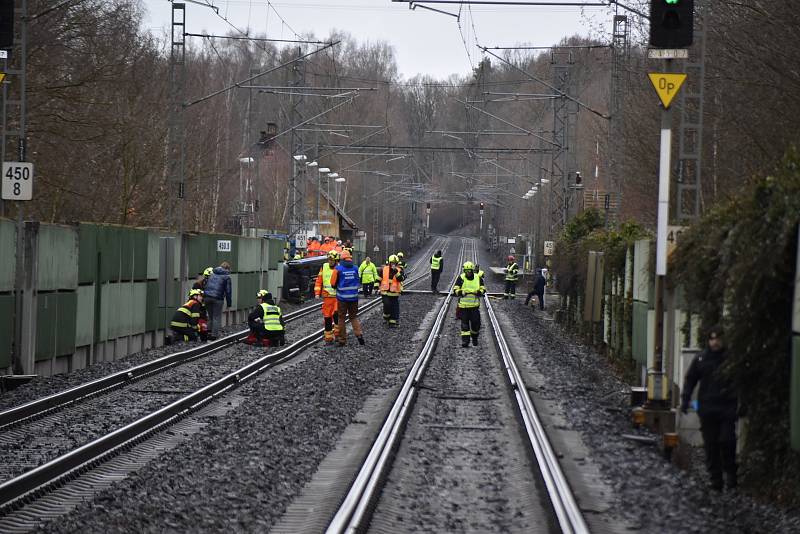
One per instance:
(208, 271)
(400, 255)
(393, 259)
(333, 254)
(469, 266)
(262, 293)
(195, 292)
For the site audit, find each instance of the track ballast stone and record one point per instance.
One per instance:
(241, 472)
(650, 493)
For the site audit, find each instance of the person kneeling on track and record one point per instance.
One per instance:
(469, 288)
(267, 327)
(185, 322)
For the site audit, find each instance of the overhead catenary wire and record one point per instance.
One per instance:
(251, 78)
(549, 85)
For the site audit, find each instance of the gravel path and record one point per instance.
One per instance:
(649, 493)
(242, 471)
(462, 465)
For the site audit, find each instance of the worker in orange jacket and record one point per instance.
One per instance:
(325, 290)
(313, 247)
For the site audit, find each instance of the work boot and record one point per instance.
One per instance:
(265, 342)
(474, 341)
(464, 342)
(732, 482)
(716, 483)
(361, 340)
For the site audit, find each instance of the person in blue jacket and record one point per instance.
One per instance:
(218, 290)
(347, 282)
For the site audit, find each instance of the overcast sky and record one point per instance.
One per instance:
(425, 42)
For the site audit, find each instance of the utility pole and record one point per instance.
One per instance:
(16, 68)
(564, 119)
(297, 205)
(620, 51)
(671, 28)
(690, 140)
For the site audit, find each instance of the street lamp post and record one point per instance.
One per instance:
(320, 170)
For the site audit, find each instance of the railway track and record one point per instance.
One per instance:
(361, 508)
(25, 488)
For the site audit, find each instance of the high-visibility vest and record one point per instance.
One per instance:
(469, 292)
(368, 272)
(512, 272)
(390, 287)
(347, 283)
(272, 318)
(187, 315)
(436, 263)
(323, 286)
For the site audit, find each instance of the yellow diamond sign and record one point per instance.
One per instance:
(2, 76)
(667, 85)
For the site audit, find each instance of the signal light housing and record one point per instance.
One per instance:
(671, 23)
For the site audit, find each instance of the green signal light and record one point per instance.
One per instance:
(672, 2)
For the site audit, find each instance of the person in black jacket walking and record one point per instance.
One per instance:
(717, 406)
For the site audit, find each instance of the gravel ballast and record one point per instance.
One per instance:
(462, 464)
(650, 494)
(241, 472)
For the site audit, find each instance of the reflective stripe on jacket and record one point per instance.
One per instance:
(390, 285)
(436, 263)
(187, 315)
(512, 272)
(272, 318)
(368, 272)
(468, 291)
(323, 286)
(346, 281)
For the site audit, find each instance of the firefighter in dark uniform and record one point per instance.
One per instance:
(185, 321)
(202, 324)
(512, 275)
(391, 287)
(717, 406)
(469, 288)
(267, 326)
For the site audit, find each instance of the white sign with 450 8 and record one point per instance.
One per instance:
(17, 180)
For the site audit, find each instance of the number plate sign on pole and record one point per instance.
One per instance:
(17, 180)
(668, 53)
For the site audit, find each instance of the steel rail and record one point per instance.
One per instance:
(56, 401)
(15, 491)
(51, 403)
(353, 510)
(570, 518)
